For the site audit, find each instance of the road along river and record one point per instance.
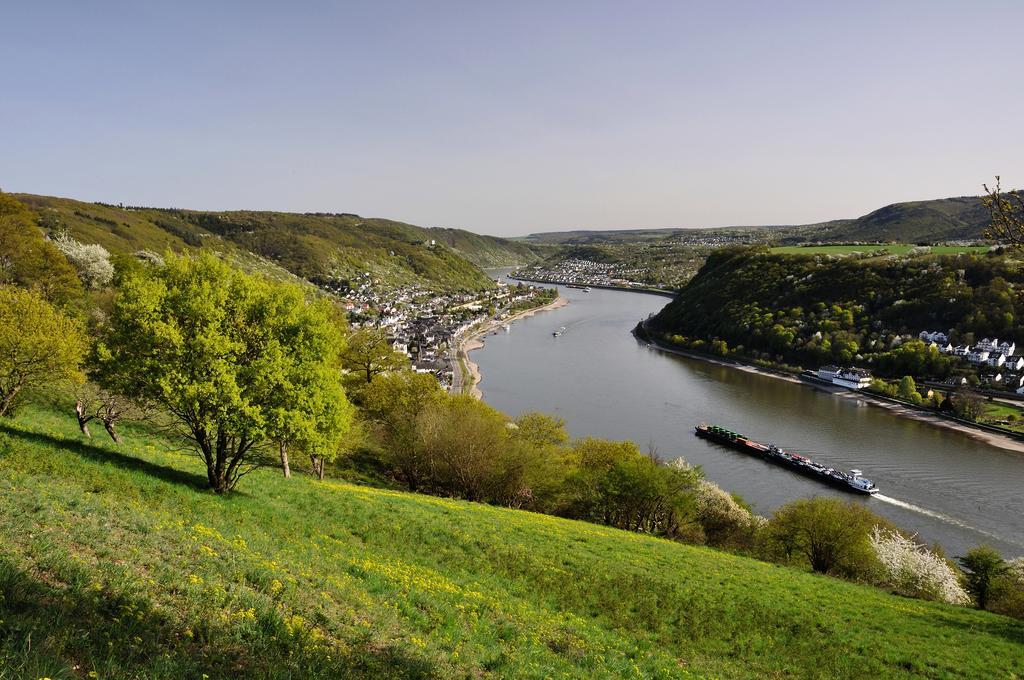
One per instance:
(950, 488)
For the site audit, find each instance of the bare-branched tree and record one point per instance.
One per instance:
(1007, 211)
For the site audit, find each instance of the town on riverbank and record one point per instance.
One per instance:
(429, 326)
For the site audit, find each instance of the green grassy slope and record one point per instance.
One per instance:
(114, 561)
(318, 247)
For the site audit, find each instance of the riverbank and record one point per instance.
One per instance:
(649, 291)
(997, 439)
(466, 367)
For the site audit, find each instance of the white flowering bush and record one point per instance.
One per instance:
(915, 571)
(719, 514)
(91, 260)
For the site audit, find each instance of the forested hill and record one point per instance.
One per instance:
(318, 247)
(932, 221)
(814, 309)
(944, 219)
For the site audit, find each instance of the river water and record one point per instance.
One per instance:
(944, 485)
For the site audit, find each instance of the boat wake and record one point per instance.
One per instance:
(941, 517)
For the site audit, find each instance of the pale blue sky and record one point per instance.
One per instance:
(513, 117)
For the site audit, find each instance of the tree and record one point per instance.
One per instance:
(235, 360)
(982, 566)
(369, 353)
(719, 515)
(464, 441)
(92, 402)
(541, 430)
(907, 390)
(830, 534)
(967, 404)
(915, 571)
(91, 260)
(1006, 594)
(393, 403)
(28, 260)
(1007, 212)
(38, 346)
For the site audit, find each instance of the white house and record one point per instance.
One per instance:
(854, 378)
(979, 355)
(1014, 362)
(1008, 347)
(947, 348)
(996, 360)
(961, 350)
(1013, 380)
(828, 372)
(986, 344)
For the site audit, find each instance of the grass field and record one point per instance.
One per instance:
(115, 563)
(890, 248)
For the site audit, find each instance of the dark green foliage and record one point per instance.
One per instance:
(982, 566)
(812, 310)
(828, 535)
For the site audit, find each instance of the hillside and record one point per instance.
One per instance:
(944, 219)
(614, 236)
(321, 248)
(814, 309)
(114, 562)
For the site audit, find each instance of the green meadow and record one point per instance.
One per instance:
(890, 248)
(116, 563)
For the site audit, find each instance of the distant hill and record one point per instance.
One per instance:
(321, 248)
(943, 219)
(595, 236)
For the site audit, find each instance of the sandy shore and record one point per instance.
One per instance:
(993, 438)
(475, 341)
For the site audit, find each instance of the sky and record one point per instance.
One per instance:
(514, 117)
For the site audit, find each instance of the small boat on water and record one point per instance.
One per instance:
(559, 331)
(848, 481)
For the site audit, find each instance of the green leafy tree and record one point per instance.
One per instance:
(541, 430)
(907, 390)
(28, 260)
(393, 403)
(832, 536)
(968, 404)
(39, 346)
(982, 566)
(235, 360)
(465, 442)
(368, 353)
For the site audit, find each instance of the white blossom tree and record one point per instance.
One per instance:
(719, 514)
(915, 571)
(91, 260)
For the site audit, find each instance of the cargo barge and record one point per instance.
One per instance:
(848, 481)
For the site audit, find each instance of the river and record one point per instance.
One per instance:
(948, 487)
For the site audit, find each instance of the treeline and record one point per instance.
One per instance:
(245, 373)
(810, 310)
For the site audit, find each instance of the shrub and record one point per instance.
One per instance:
(914, 571)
